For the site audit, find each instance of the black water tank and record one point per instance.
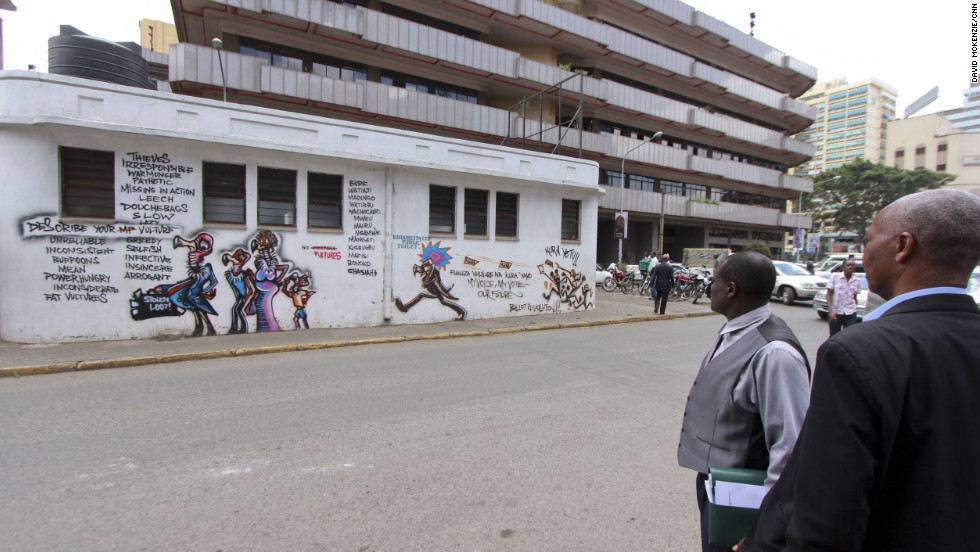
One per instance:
(76, 54)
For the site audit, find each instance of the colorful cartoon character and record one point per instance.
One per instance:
(295, 287)
(269, 273)
(434, 258)
(195, 292)
(242, 282)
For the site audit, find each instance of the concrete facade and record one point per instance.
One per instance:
(933, 142)
(724, 101)
(156, 264)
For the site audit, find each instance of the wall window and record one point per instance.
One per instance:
(426, 86)
(506, 224)
(325, 202)
(941, 147)
(277, 196)
(475, 212)
(224, 193)
(570, 209)
(301, 60)
(941, 167)
(87, 183)
(442, 209)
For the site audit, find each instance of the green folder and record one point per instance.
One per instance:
(729, 524)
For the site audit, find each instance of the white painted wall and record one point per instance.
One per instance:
(67, 279)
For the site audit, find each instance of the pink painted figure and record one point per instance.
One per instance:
(269, 273)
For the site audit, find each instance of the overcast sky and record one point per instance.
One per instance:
(912, 49)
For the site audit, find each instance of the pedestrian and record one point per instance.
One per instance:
(887, 457)
(842, 291)
(653, 276)
(664, 273)
(750, 396)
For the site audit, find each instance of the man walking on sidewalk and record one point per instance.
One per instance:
(842, 291)
(664, 274)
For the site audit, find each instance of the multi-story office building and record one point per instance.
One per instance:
(967, 118)
(850, 124)
(723, 101)
(933, 142)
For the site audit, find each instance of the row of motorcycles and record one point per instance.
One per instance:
(689, 283)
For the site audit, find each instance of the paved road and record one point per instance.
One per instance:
(556, 440)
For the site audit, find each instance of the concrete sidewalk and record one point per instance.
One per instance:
(23, 360)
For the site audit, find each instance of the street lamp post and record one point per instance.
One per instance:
(622, 176)
(799, 216)
(217, 44)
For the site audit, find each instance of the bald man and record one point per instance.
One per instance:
(888, 458)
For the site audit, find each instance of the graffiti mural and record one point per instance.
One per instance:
(433, 259)
(570, 287)
(269, 275)
(241, 279)
(190, 294)
(296, 287)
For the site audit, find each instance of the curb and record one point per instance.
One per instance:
(85, 365)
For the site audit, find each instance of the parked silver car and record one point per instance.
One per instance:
(794, 282)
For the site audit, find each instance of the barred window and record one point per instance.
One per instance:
(570, 209)
(442, 209)
(87, 183)
(506, 224)
(224, 193)
(277, 196)
(325, 200)
(475, 212)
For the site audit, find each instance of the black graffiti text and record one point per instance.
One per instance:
(564, 253)
(363, 242)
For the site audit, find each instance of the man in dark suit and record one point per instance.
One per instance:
(889, 454)
(664, 274)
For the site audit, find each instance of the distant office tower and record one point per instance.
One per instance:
(967, 118)
(724, 101)
(850, 123)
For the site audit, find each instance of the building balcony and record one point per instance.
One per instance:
(642, 202)
(254, 81)
(578, 35)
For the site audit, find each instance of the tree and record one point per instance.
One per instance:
(759, 246)
(863, 189)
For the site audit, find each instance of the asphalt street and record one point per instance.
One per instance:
(549, 440)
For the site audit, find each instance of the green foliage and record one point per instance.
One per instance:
(702, 200)
(864, 188)
(759, 246)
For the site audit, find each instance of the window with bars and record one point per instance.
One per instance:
(325, 194)
(506, 222)
(87, 183)
(475, 212)
(442, 209)
(570, 209)
(224, 193)
(277, 196)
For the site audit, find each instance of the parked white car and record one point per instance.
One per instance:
(794, 282)
(604, 279)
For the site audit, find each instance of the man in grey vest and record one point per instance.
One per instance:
(751, 394)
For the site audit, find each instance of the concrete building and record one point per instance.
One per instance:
(724, 101)
(850, 124)
(131, 212)
(966, 118)
(933, 142)
(157, 36)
